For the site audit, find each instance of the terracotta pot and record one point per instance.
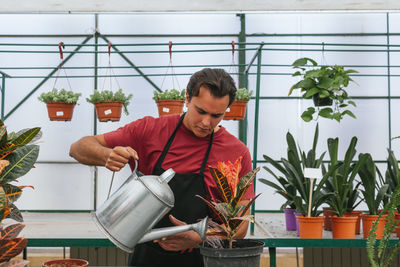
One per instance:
(310, 227)
(344, 227)
(368, 220)
(397, 228)
(168, 107)
(59, 111)
(328, 213)
(358, 214)
(236, 111)
(108, 110)
(66, 263)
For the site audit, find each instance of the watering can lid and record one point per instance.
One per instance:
(158, 186)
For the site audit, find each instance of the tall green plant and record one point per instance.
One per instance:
(17, 157)
(340, 183)
(392, 174)
(373, 192)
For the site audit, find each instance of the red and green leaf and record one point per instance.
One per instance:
(9, 248)
(12, 192)
(26, 136)
(236, 222)
(212, 206)
(244, 184)
(222, 184)
(14, 213)
(11, 231)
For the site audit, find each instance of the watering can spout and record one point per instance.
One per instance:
(200, 228)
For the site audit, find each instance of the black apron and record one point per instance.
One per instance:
(187, 208)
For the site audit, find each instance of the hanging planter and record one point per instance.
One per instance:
(170, 102)
(60, 104)
(109, 105)
(237, 110)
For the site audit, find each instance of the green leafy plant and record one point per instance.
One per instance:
(324, 83)
(340, 184)
(62, 95)
(17, 157)
(232, 189)
(173, 94)
(384, 254)
(373, 192)
(108, 95)
(243, 94)
(392, 175)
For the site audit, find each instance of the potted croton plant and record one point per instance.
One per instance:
(326, 86)
(109, 104)
(60, 103)
(170, 101)
(237, 110)
(18, 154)
(233, 252)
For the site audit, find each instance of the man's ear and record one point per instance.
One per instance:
(187, 99)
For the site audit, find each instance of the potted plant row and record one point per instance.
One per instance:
(109, 104)
(169, 101)
(326, 86)
(237, 110)
(60, 103)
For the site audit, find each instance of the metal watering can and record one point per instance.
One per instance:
(128, 216)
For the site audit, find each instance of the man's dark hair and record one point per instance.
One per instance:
(218, 81)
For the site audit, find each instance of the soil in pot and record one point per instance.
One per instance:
(59, 111)
(66, 263)
(236, 111)
(310, 227)
(290, 219)
(368, 220)
(168, 107)
(108, 110)
(344, 227)
(245, 253)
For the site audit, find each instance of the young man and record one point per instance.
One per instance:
(186, 143)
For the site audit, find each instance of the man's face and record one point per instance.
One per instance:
(204, 112)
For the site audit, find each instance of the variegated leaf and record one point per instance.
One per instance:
(9, 248)
(236, 224)
(15, 213)
(211, 205)
(7, 149)
(3, 164)
(12, 192)
(222, 184)
(11, 231)
(244, 184)
(25, 136)
(3, 133)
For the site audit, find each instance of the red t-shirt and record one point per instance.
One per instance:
(149, 135)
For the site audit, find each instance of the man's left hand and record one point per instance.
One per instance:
(181, 241)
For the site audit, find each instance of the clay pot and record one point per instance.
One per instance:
(108, 110)
(368, 220)
(59, 111)
(66, 263)
(310, 227)
(236, 111)
(358, 214)
(168, 107)
(328, 213)
(344, 227)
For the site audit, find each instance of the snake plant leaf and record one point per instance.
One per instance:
(216, 211)
(12, 192)
(222, 184)
(15, 213)
(11, 231)
(26, 136)
(9, 248)
(21, 161)
(243, 185)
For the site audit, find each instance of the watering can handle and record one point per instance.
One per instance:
(112, 178)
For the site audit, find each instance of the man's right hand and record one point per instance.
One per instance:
(119, 156)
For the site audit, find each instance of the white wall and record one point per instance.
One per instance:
(70, 186)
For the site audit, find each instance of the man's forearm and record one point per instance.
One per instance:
(88, 150)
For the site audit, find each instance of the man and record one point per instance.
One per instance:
(186, 143)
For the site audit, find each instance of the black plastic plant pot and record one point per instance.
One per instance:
(321, 102)
(245, 253)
